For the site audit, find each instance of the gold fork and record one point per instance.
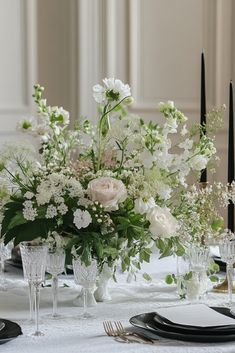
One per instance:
(120, 332)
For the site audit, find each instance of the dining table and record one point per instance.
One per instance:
(131, 295)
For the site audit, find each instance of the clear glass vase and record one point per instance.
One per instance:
(197, 284)
(86, 277)
(102, 293)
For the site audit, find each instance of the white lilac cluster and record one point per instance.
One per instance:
(55, 187)
(29, 212)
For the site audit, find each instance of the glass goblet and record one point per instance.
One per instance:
(34, 266)
(5, 254)
(55, 266)
(227, 253)
(86, 277)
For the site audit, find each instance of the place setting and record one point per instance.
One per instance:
(116, 219)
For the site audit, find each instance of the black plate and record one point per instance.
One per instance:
(10, 331)
(167, 325)
(147, 321)
(5, 340)
(222, 264)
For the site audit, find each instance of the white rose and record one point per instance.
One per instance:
(162, 223)
(198, 162)
(107, 191)
(143, 207)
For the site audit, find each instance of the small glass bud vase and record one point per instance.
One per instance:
(102, 293)
(197, 284)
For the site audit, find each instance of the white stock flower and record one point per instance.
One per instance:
(162, 223)
(82, 219)
(187, 144)
(198, 162)
(109, 192)
(147, 159)
(142, 206)
(164, 191)
(184, 131)
(51, 211)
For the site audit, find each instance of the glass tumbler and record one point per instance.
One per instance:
(34, 265)
(55, 266)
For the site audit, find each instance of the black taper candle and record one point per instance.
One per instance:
(231, 156)
(203, 178)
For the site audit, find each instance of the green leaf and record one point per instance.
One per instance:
(17, 220)
(147, 277)
(144, 255)
(180, 250)
(29, 231)
(188, 276)
(169, 279)
(214, 278)
(11, 209)
(217, 224)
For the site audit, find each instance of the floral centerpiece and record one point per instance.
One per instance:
(106, 191)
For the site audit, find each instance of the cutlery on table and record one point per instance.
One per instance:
(117, 330)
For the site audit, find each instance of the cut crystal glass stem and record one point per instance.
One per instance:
(31, 301)
(85, 302)
(3, 285)
(55, 295)
(230, 283)
(36, 301)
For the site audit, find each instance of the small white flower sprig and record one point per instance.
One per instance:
(51, 127)
(199, 213)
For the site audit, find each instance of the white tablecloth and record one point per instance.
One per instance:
(71, 335)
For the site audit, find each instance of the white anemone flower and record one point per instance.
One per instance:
(113, 89)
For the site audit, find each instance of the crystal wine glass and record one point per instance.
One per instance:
(55, 266)
(34, 265)
(227, 253)
(86, 277)
(5, 253)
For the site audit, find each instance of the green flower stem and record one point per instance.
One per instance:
(102, 119)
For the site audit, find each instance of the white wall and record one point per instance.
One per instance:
(17, 63)
(155, 45)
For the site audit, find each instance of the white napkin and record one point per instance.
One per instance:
(195, 315)
(214, 250)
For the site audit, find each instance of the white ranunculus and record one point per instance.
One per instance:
(162, 223)
(109, 192)
(198, 162)
(143, 207)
